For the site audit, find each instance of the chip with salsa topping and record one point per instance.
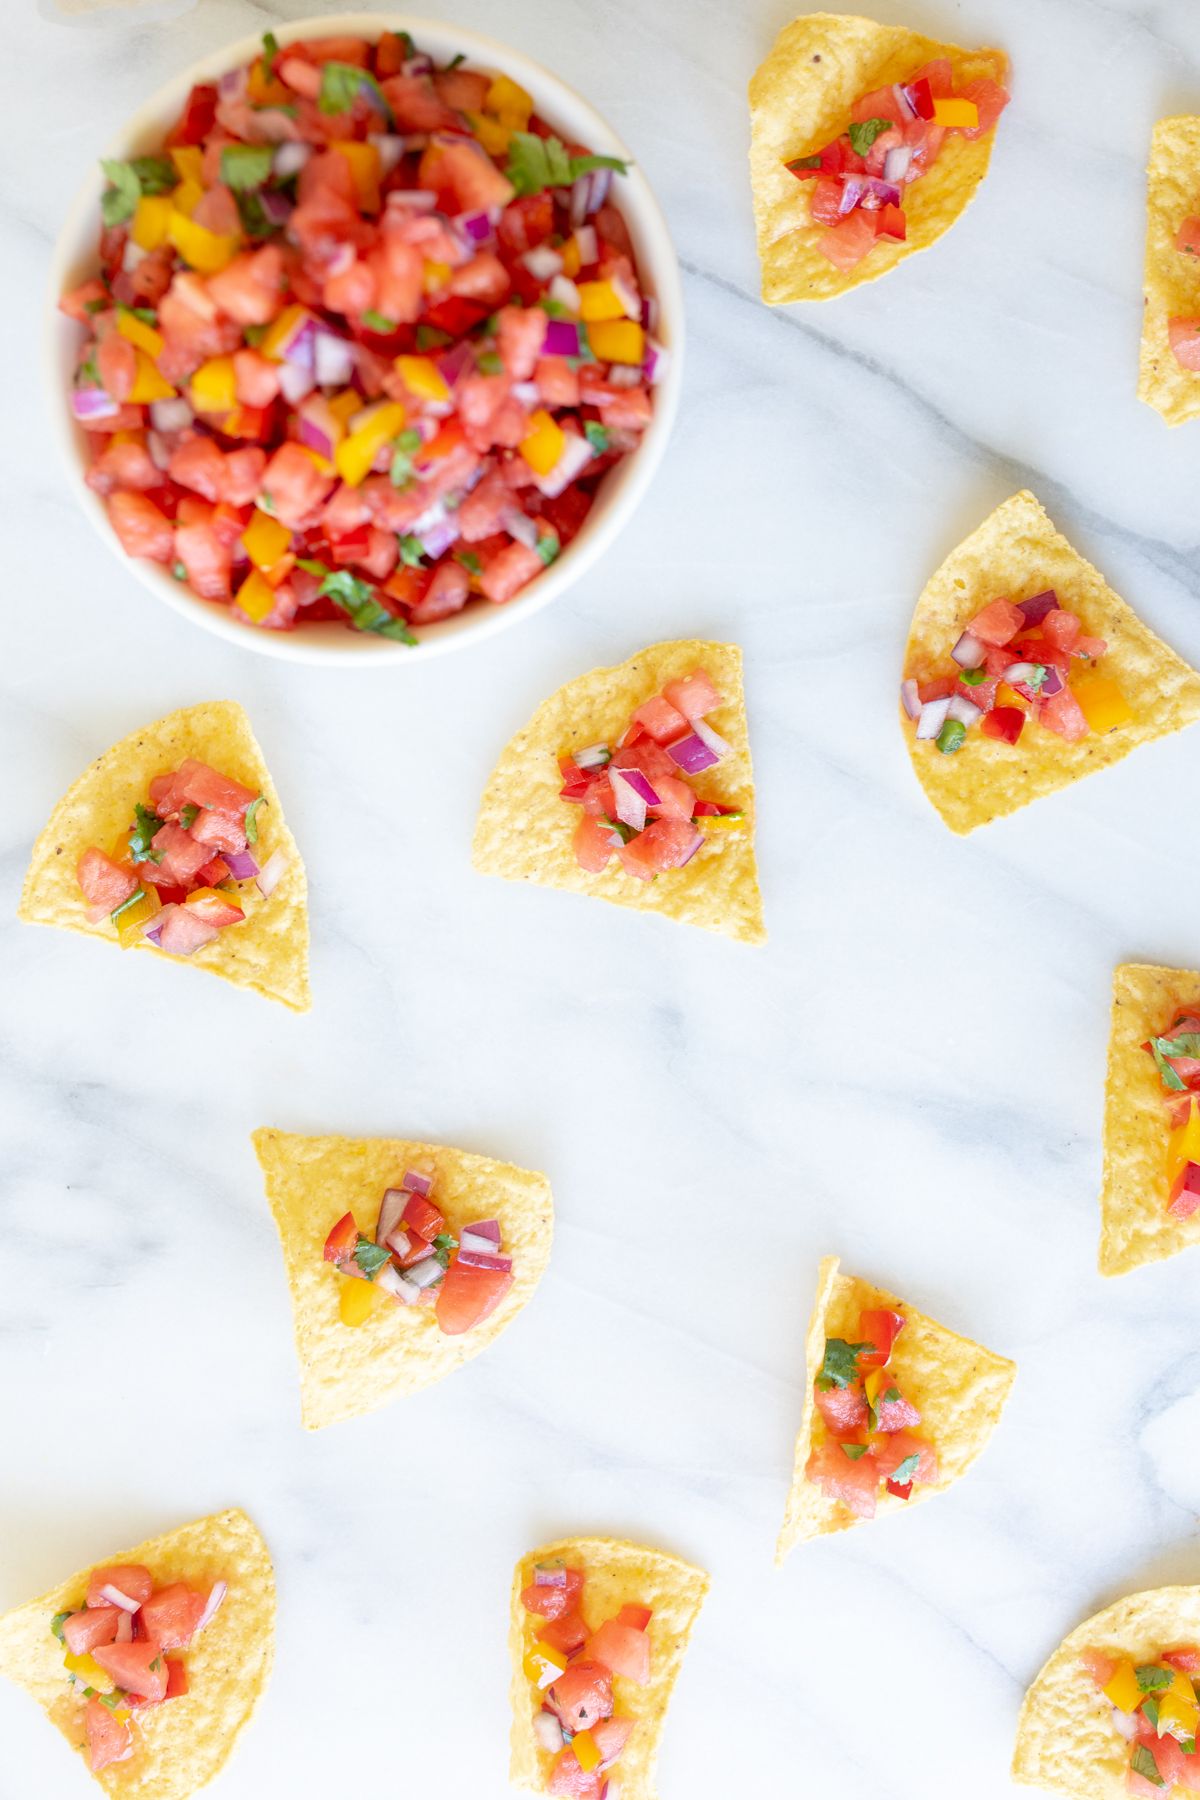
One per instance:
(1024, 671)
(152, 1663)
(451, 1247)
(896, 1408)
(867, 141)
(598, 1632)
(1114, 1712)
(174, 841)
(634, 784)
(1169, 368)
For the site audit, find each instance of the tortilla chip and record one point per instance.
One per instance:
(1017, 553)
(1172, 279)
(311, 1181)
(800, 100)
(1135, 1226)
(958, 1387)
(525, 831)
(618, 1574)
(269, 950)
(181, 1745)
(1066, 1739)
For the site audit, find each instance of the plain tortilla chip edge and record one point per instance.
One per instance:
(1171, 284)
(618, 1572)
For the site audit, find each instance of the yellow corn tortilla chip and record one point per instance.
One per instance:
(268, 951)
(525, 830)
(1066, 1739)
(346, 1370)
(1015, 554)
(618, 1574)
(958, 1387)
(1135, 1226)
(800, 100)
(180, 1745)
(1172, 279)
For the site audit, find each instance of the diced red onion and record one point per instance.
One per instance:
(1053, 683)
(233, 83)
(520, 526)
(526, 392)
(391, 1209)
(692, 754)
(708, 736)
(649, 312)
(92, 403)
(158, 450)
(575, 457)
(896, 162)
(548, 1732)
(295, 382)
(631, 807)
(907, 109)
(216, 1594)
(333, 360)
(314, 436)
(289, 159)
(390, 148)
(853, 189)
(969, 652)
(299, 346)
(276, 205)
(131, 256)
(625, 375)
(477, 226)
(933, 717)
(416, 1183)
(691, 850)
(417, 65)
(170, 415)
(638, 783)
(964, 710)
(657, 359)
(115, 1596)
(549, 1575)
(543, 262)
(152, 930)
(400, 1242)
(594, 757)
(271, 873)
(910, 699)
(588, 245)
(395, 1282)
(437, 538)
(561, 339)
(880, 193)
(484, 1259)
(416, 199)
(1036, 608)
(627, 294)
(589, 193)
(455, 362)
(563, 292)
(242, 865)
(425, 1274)
(488, 1229)
(125, 1628)
(1125, 1723)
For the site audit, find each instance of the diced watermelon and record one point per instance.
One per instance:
(622, 1649)
(106, 884)
(209, 789)
(133, 1580)
(133, 1667)
(846, 244)
(582, 1695)
(109, 1739)
(171, 1615)
(94, 1625)
(554, 1600)
(1063, 714)
(664, 844)
(844, 1410)
(854, 1482)
(142, 528)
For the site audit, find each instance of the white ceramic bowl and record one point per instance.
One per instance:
(622, 489)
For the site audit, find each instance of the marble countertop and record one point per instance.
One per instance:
(909, 1074)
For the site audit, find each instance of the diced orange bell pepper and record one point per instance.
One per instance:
(365, 167)
(1101, 702)
(422, 377)
(587, 1751)
(961, 113)
(1183, 1146)
(618, 341)
(148, 384)
(150, 220)
(213, 387)
(1122, 1688)
(543, 444)
(266, 541)
(256, 596)
(598, 300)
(130, 923)
(357, 1300)
(544, 1664)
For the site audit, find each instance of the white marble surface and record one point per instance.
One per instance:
(910, 1073)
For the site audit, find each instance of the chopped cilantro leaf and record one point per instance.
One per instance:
(490, 363)
(343, 83)
(113, 1700)
(973, 677)
(469, 561)
(1151, 1678)
(188, 816)
(863, 133)
(855, 1451)
(893, 1393)
(554, 309)
(57, 1623)
(310, 566)
(1150, 1707)
(146, 314)
(256, 222)
(270, 46)
(841, 1363)
(404, 449)
(370, 1257)
(622, 831)
(535, 163)
(596, 435)
(141, 833)
(265, 502)
(254, 335)
(375, 321)
(1142, 1763)
(179, 571)
(455, 61)
(412, 552)
(804, 162)
(126, 904)
(246, 166)
(95, 306)
(904, 1472)
(548, 547)
(1170, 1079)
(430, 338)
(156, 1664)
(128, 181)
(443, 1244)
(357, 600)
(252, 821)
(1036, 678)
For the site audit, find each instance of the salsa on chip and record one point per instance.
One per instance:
(870, 1441)
(1169, 369)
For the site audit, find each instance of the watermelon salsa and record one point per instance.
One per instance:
(116, 1642)
(1183, 334)
(1156, 1711)
(573, 1670)
(865, 1440)
(416, 1261)
(894, 137)
(1177, 1058)
(364, 340)
(1015, 662)
(181, 871)
(637, 797)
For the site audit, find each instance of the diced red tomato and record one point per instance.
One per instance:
(1004, 723)
(1187, 239)
(880, 103)
(467, 1296)
(421, 1216)
(109, 1739)
(825, 203)
(623, 1649)
(180, 856)
(990, 98)
(133, 1667)
(250, 288)
(568, 1781)
(582, 1695)
(198, 116)
(295, 484)
(342, 1240)
(1184, 1657)
(463, 177)
(1100, 1666)
(181, 931)
(215, 909)
(94, 1625)
(90, 297)
(207, 562)
(880, 1327)
(171, 1615)
(177, 1679)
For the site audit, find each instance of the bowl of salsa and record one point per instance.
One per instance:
(366, 339)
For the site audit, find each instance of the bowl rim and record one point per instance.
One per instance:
(622, 491)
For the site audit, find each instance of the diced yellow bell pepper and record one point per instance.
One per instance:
(343, 406)
(263, 89)
(189, 162)
(148, 384)
(964, 113)
(266, 540)
(572, 262)
(1178, 1712)
(1183, 1145)
(88, 1670)
(139, 333)
(365, 168)
(544, 442)
(213, 388)
(544, 1664)
(873, 1383)
(256, 596)
(355, 454)
(494, 137)
(587, 1751)
(149, 227)
(720, 821)
(422, 377)
(130, 922)
(203, 250)
(1122, 1688)
(357, 1300)
(437, 274)
(1101, 702)
(506, 101)
(185, 199)
(281, 331)
(618, 341)
(598, 300)
(1006, 696)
